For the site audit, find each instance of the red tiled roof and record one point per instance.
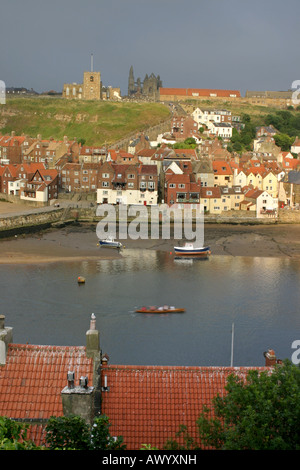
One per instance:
(221, 167)
(147, 404)
(33, 377)
(178, 178)
(199, 92)
(213, 193)
(253, 193)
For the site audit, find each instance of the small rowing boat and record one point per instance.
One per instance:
(189, 250)
(110, 243)
(163, 309)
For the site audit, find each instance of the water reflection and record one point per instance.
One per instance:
(45, 305)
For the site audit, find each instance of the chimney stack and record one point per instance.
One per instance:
(78, 400)
(92, 339)
(270, 358)
(6, 337)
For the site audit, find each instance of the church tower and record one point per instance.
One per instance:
(92, 85)
(131, 84)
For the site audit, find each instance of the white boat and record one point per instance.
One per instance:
(189, 250)
(110, 243)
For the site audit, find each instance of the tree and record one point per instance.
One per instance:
(260, 413)
(73, 433)
(13, 435)
(67, 433)
(189, 143)
(283, 141)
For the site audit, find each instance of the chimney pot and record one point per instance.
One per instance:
(71, 379)
(83, 382)
(93, 322)
(270, 358)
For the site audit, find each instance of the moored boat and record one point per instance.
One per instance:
(110, 243)
(163, 309)
(189, 250)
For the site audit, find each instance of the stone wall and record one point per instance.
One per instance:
(289, 216)
(41, 219)
(18, 200)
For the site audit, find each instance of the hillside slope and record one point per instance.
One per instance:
(96, 122)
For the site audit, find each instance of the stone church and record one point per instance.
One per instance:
(149, 88)
(91, 88)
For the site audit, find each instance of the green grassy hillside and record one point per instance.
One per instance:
(96, 122)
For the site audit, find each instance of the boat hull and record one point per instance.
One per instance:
(183, 251)
(171, 310)
(109, 244)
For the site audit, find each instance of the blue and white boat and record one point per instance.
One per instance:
(110, 243)
(189, 250)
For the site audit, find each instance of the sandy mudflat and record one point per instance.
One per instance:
(80, 243)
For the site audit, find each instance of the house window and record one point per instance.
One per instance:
(172, 185)
(105, 175)
(181, 186)
(131, 177)
(105, 184)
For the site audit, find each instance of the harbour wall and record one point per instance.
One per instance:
(30, 223)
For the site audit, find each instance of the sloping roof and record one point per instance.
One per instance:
(33, 377)
(253, 193)
(147, 404)
(294, 177)
(221, 167)
(213, 192)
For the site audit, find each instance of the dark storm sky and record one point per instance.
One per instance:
(193, 43)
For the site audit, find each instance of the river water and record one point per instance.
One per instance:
(260, 296)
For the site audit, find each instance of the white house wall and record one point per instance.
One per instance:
(111, 196)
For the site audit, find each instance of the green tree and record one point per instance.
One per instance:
(73, 433)
(188, 143)
(261, 413)
(100, 438)
(283, 141)
(13, 435)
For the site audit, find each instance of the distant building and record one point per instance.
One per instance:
(148, 88)
(182, 94)
(91, 88)
(12, 91)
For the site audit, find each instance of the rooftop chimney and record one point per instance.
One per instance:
(78, 400)
(92, 339)
(270, 358)
(6, 337)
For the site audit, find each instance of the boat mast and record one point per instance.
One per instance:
(232, 338)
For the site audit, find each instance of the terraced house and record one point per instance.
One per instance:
(42, 187)
(13, 148)
(127, 184)
(79, 177)
(223, 173)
